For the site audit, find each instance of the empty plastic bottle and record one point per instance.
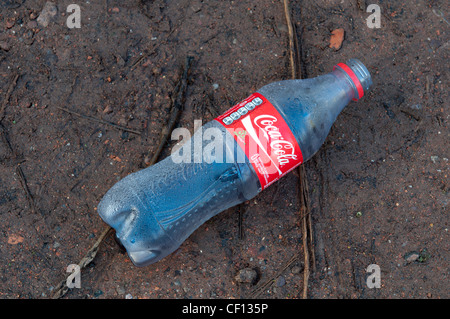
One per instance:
(228, 161)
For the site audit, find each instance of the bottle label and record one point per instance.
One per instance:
(264, 136)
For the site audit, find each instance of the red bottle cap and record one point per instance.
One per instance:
(353, 77)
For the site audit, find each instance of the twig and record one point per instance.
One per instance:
(11, 87)
(100, 121)
(5, 140)
(261, 287)
(177, 106)
(23, 181)
(307, 238)
(153, 49)
(291, 39)
(61, 288)
(241, 209)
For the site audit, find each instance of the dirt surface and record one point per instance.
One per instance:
(379, 186)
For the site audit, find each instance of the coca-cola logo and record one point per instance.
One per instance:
(283, 149)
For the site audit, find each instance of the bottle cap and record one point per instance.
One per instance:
(358, 74)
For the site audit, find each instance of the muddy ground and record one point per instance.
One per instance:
(379, 186)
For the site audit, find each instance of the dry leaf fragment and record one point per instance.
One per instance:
(15, 239)
(336, 39)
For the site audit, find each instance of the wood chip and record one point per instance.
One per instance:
(336, 39)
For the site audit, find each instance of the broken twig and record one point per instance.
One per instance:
(11, 87)
(62, 288)
(177, 106)
(24, 184)
(296, 72)
(123, 128)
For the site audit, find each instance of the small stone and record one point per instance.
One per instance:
(246, 275)
(120, 290)
(47, 14)
(129, 296)
(196, 6)
(25, 103)
(412, 256)
(108, 109)
(296, 270)
(10, 23)
(281, 281)
(5, 46)
(156, 71)
(32, 24)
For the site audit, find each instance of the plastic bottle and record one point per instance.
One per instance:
(257, 141)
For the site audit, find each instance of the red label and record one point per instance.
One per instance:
(266, 139)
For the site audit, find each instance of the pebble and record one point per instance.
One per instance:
(412, 256)
(281, 281)
(296, 269)
(246, 275)
(196, 6)
(108, 109)
(120, 290)
(32, 24)
(47, 14)
(25, 103)
(10, 23)
(4, 46)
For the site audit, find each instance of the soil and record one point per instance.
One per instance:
(379, 186)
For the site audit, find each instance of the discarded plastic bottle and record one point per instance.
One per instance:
(228, 161)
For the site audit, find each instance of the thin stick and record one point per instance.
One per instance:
(177, 106)
(296, 72)
(61, 288)
(241, 209)
(291, 39)
(24, 184)
(158, 44)
(100, 121)
(5, 140)
(261, 287)
(11, 87)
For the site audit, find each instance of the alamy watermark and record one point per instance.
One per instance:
(74, 279)
(373, 21)
(374, 279)
(74, 18)
(73, 21)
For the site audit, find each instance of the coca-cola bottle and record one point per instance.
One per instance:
(228, 161)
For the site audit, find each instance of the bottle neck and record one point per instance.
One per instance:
(356, 74)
